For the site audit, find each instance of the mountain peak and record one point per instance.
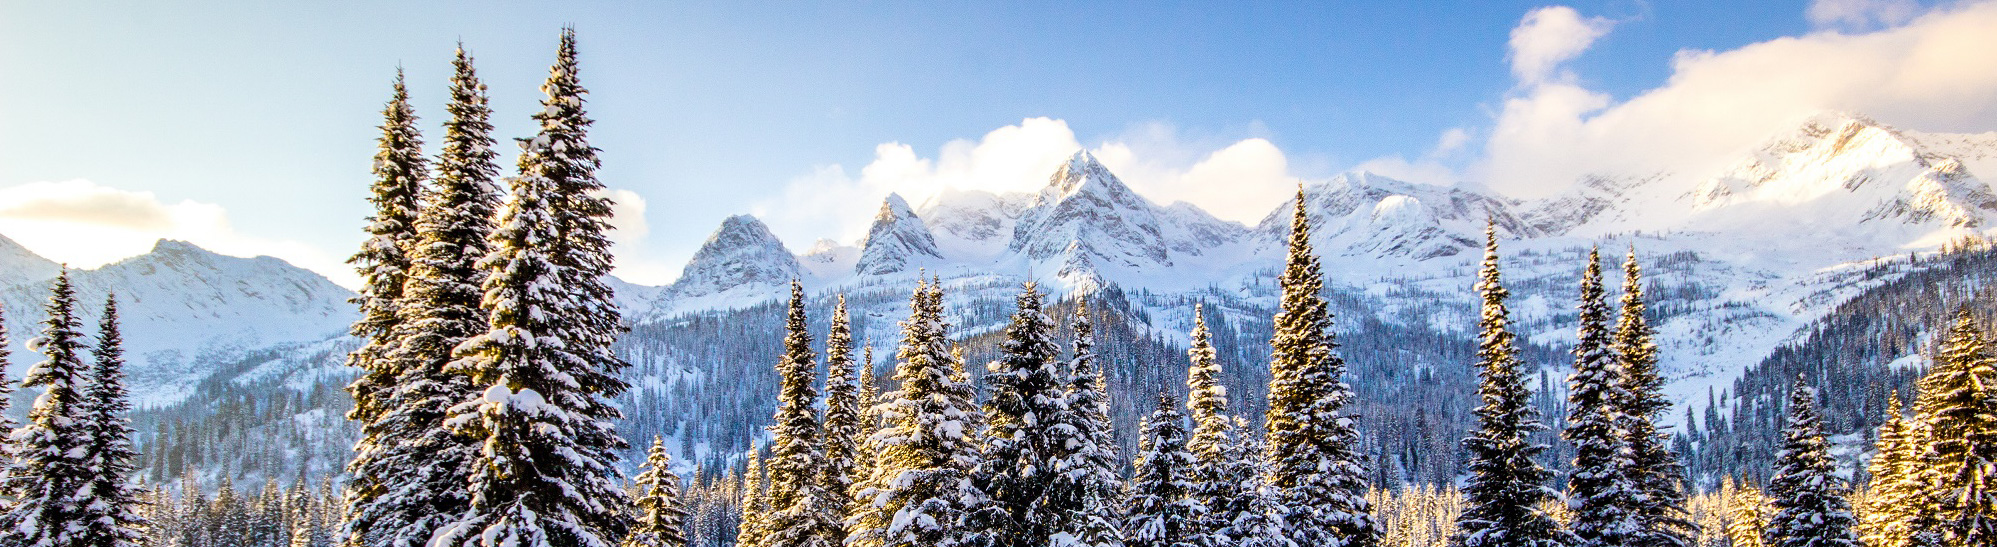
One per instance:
(742, 252)
(1082, 173)
(896, 238)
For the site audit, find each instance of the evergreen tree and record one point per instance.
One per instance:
(1747, 516)
(661, 514)
(844, 423)
(1809, 498)
(1255, 523)
(545, 473)
(7, 422)
(1894, 496)
(53, 471)
(754, 530)
(1659, 507)
(560, 152)
(383, 264)
(1025, 386)
(804, 513)
(110, 503)
(920, 488)
(1962, 429)
(1084, 492)
(438, 309)
(1217, 470)
(1600, 490)
(1507, 486)
(1314, 469)
(1162, 509)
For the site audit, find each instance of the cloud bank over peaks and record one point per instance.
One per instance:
(1234, 180)
(87, 225)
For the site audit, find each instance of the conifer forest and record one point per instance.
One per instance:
(500, 389)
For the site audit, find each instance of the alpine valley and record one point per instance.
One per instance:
(1781, 263)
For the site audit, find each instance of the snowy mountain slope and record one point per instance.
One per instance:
(974, 225)
(18, 265)
(1363, 214)
(185, 309)
(897, 241)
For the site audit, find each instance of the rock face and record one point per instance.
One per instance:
(1086, 217)
(897, 240)
(741, 254)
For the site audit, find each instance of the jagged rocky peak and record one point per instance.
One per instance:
(1086, 211)
(742, 252)
(897, 239)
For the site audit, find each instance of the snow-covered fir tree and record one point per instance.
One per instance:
(803, 512)
(580, 214)
(1254, 523)
(546, 474)
(1085, 490)
(920, 488)
(109, 503)
(754, 526)
(1025, 389)
(422, 465)
(1162, 511)
(1961, 417)
(661, 513)
(54, 464)
(1318, 484)
(383, 264)
(1747, 516)
(1894, 495)
(1507, 486)
(7, 422)
(1809, 498)
(1659, 507)
(845, 427)
(1217, 469)
(1600, 489)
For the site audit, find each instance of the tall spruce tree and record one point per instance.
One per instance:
(920, 488)
(661, 513)
(1162, 511)
(1961, 419)
(1318, 484)
(803, 511)
(1809, 498)
(1507, 486)
(1747, 516)
(110, 503)
(1084, 491)
(1600, 489)
(754, 529)
(7, 422)
(1217, 469)
(1659, 507)
(1255, 523)
(545, 475)
(560, 152)
(845, 426)
(438, 308)
(383, 264)
(54, 465)
(1019, 443)
(1894, 496)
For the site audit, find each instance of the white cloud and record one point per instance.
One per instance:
(1937, 72)
(629, 230)
(1549, 36)
(86, 225)
(1860, 14)
(1238, 180)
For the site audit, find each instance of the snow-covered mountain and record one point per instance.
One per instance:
(898, 241)
(741, 263)
(186, 311)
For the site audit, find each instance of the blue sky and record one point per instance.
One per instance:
(248, 127)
